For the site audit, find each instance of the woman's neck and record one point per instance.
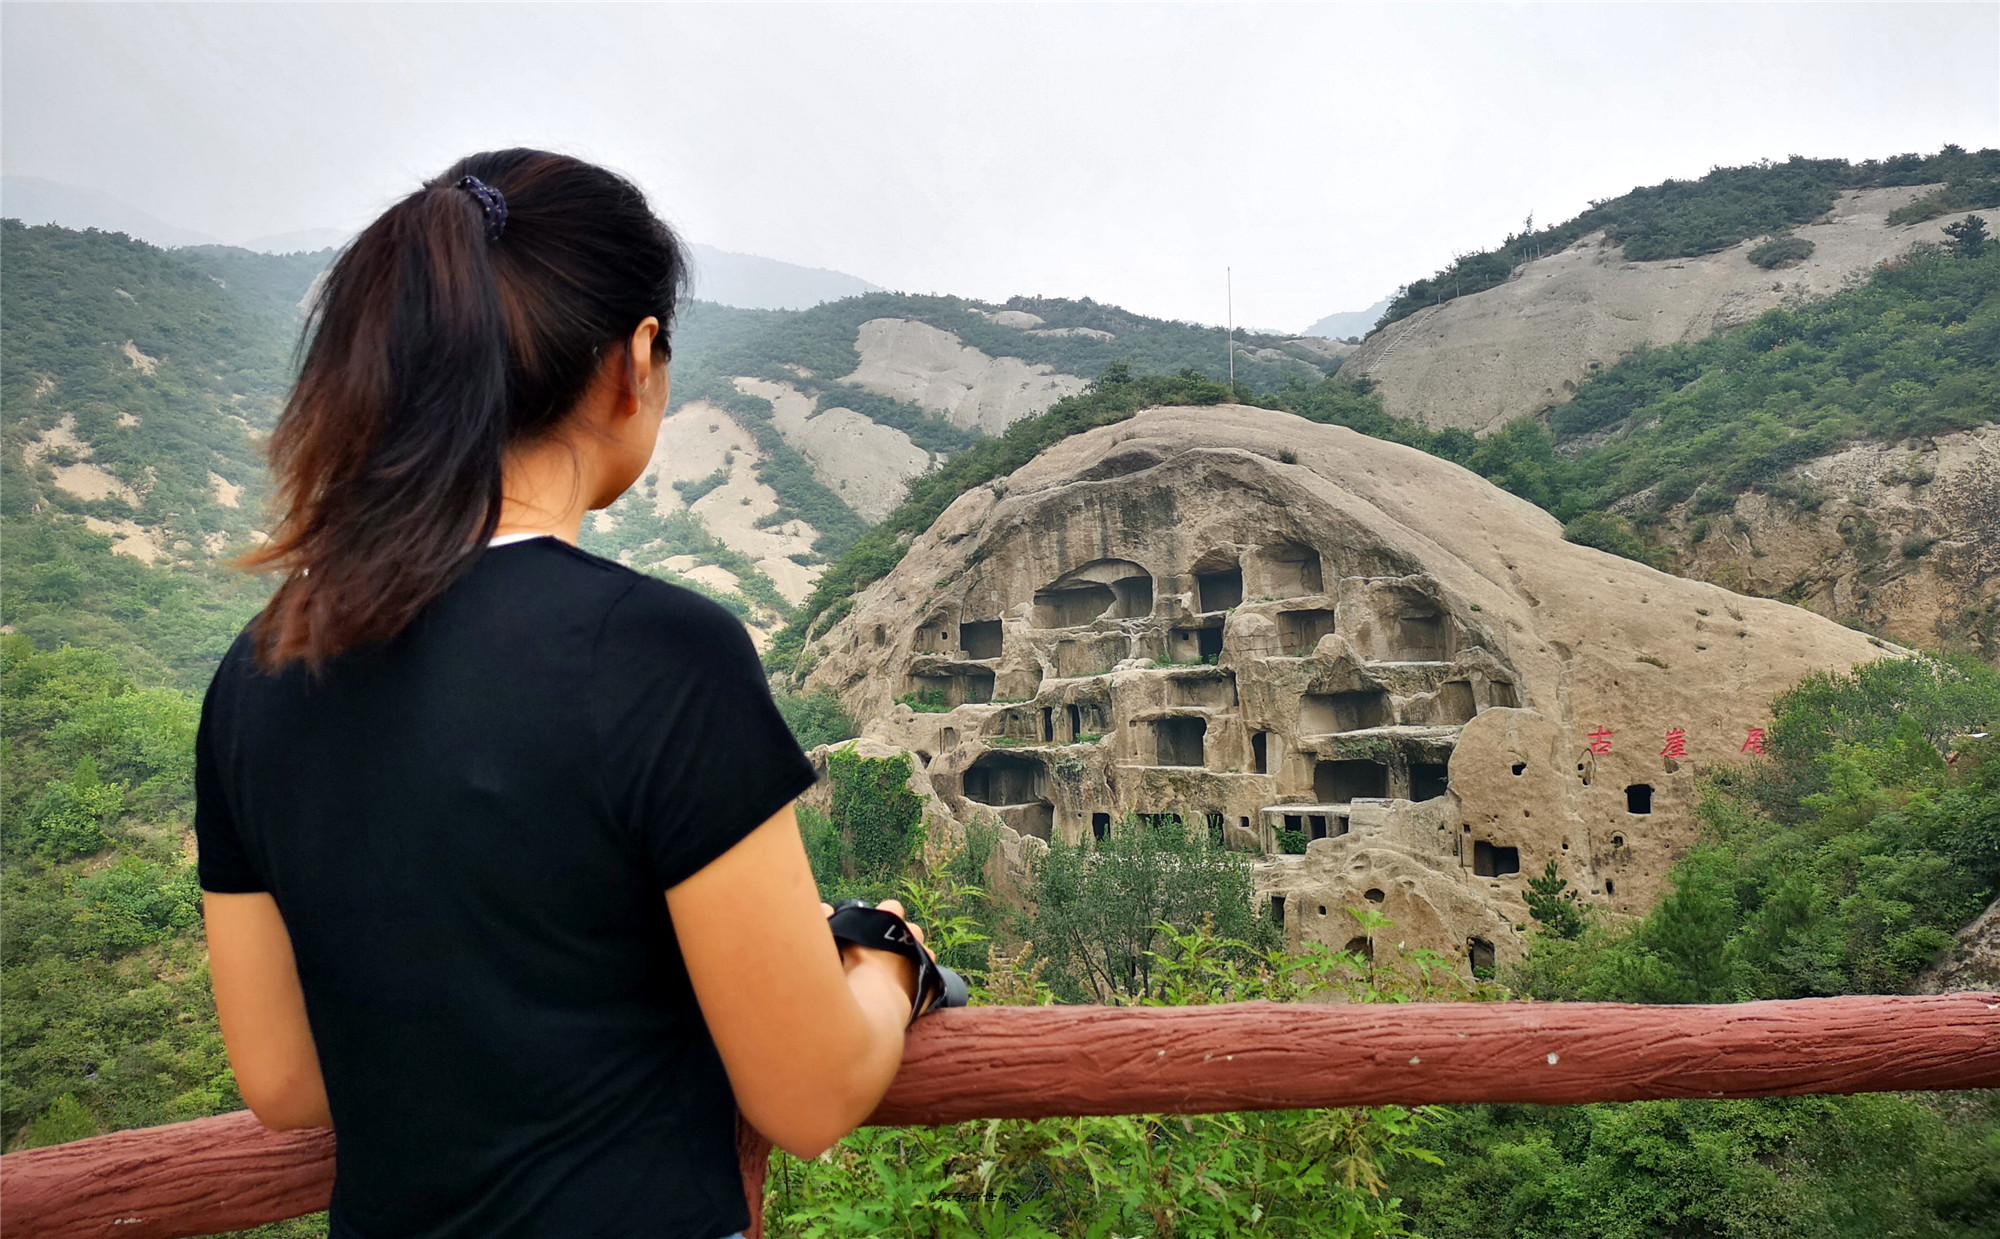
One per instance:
(545, 488)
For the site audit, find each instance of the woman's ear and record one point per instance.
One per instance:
(646, 368)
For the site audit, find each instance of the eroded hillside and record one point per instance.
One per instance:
(1479, 361)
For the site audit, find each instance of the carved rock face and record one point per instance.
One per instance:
(1261, 625)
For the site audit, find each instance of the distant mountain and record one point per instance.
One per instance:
(35, 201)
(303, 241)
(1351, 323)
(750, 282)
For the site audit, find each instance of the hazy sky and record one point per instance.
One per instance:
(1124, 152)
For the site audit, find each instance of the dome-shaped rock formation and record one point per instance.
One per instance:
(1257, 625)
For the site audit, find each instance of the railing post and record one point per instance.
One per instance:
(753, 1157)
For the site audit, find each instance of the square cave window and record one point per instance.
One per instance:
(1299, 631)
(1480, 955)
(1502, 696)
(1100, 826)
(1219, 591)
(1178, 741)
(1190, 645)
(1260, 752)
(1337, 782)
(1428, 780)
(1494, 862)
(980, 640)
(1639, 798)
(1000, 779)
(1327, 713)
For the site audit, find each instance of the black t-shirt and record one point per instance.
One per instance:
(469, 831)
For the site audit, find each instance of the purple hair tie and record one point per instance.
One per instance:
(492, 204)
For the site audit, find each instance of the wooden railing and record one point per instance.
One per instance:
(1037, 1062)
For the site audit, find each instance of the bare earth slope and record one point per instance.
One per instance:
(936, 371)
(1263, 624)
(1479, 361)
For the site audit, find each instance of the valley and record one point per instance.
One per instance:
(1619, 623)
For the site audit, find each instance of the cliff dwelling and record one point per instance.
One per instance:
(1386, 682)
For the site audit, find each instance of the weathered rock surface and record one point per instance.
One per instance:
(1904, 538)
(936, 371)
(864, 462)
(695, 441)
(1257, 624)
(1973, 961)
(1479, 361)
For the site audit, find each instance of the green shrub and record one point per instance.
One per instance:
(1102, 906)
(815, 719)
(693, 490)
(69, 817)
(925, 701)
(1783, 250)
(1607, 533)
(879, 818)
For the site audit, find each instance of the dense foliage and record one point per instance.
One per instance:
(141, 377)
(1300, 1173)
(1838, 865)
(106, 1020)
(1681, 219)
(1104, 908)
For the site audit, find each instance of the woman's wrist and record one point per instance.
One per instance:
(886, 971)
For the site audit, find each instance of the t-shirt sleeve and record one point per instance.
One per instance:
(221, 863)
(696, 755)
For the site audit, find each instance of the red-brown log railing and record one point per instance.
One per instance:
(228, 1173)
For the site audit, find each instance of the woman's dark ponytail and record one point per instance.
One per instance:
(468, 318)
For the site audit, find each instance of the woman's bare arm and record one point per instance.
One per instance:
(811, 1037)
(263, 1011)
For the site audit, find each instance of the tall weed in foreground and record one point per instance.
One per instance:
(1319, 1173)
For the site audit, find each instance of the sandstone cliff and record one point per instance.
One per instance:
(1903, 538)
(1257, 625)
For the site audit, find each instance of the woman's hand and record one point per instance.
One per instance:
(901, 968)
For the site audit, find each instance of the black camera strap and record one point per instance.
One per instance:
(856, 922)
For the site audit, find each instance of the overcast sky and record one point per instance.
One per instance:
(1124, 152)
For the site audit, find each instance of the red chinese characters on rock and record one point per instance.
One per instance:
(1677, 743)
(1600, 741)
(1754, 742)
